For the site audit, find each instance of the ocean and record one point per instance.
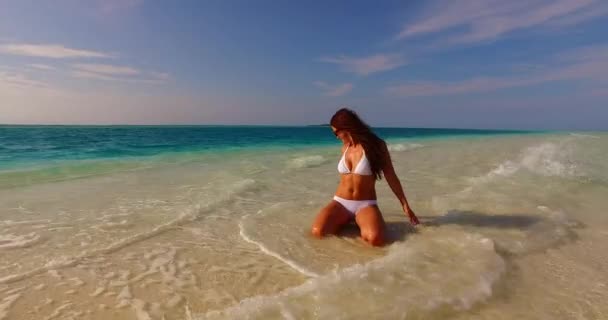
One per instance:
(213, 222)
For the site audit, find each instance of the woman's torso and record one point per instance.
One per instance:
(354, 186)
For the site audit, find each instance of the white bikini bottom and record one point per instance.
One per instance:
(353, 206)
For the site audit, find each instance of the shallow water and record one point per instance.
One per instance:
(514, 226)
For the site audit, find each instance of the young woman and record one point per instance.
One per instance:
(365, 158)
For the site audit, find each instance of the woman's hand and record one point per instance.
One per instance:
(413, 219)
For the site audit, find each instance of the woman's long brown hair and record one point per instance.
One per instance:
(347, 120)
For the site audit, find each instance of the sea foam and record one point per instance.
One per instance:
(399, 147)
(306, 162)
(446, 268)
(546, 159)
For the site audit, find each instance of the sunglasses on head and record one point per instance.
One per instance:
(336, 132)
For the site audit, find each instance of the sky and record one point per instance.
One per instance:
(520, 64)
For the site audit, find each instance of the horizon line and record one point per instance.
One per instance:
(285, 126)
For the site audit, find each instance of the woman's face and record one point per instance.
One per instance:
(340, 134)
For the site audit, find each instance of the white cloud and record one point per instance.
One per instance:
(20, 81)
(367, 65)
(598, 9)
(334, 90)
(93, 75)
(97, 76)
(478, 84)
(50, 51)
(41, 66)
(482, 20)
(108, 72)
(106, 69)
(580, 64)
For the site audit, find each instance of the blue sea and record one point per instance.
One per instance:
(212, 222)
(26, 145)
(39, 153)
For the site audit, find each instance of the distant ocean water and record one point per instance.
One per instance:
(212, 222)
(31, 154)
(35, 144)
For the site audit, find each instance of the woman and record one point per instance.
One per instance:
(365, 158)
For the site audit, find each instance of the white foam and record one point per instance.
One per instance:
(273, 254)
(399, 147)
(123, 224)
(57, 312)
(24, 222)
(190, 214)
(306, 162)
(243, 185)
(448, 268)
(11, 241)
(584, 135)
(98, 291)
(546, 159)
(125, 294)
(517, 234)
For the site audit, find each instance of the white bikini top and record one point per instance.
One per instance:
(363, 167)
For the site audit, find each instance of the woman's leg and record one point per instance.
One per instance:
(330, 219)
(371, 223)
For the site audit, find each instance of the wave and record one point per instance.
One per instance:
(243, 186)
(516, 234)
(447, 268)
(485, 205)
(11, 241)
(191, 214)
(546, 159)
(306, 162)
(70, 170)
(294, 265)
(403, 147)
(282, 231)
(583, 135)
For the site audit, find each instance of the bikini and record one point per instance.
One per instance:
(363, 168)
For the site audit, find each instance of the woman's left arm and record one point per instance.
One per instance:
(395, 185)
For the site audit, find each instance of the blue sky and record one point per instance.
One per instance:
(533, 64)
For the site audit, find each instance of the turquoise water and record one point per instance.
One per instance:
(37, 154)
(21, 146)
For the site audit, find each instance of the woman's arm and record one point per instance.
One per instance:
(395, 185)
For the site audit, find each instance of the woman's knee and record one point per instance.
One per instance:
(329, 220)
(317, 231)
(373, 237)
(319, 224)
